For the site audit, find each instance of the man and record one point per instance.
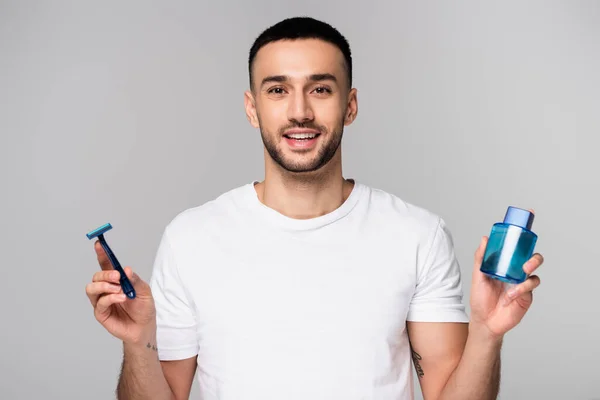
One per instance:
(307, 285)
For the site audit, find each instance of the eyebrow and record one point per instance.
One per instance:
(311, 78)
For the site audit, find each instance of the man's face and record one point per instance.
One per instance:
(300, 100)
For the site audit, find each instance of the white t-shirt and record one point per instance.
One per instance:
(279, 308)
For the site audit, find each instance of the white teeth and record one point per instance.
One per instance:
(302, 135)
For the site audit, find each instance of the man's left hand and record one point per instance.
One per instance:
(494, 307)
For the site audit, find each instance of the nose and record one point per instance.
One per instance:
(299, 108)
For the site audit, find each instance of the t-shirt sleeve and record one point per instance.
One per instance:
(175, 315)
(438, 295)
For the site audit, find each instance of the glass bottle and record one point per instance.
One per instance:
(510, 245)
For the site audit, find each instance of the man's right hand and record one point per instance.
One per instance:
(131, 320)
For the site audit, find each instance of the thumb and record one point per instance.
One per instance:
(478, 259)
(141, 287)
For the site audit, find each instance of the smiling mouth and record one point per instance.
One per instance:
(302, 136)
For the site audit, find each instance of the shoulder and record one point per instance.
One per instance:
(396, 211)
(420, 231)
(216, 213)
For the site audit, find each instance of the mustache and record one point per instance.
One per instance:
(303, 125)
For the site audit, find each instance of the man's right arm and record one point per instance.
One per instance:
(143, 376)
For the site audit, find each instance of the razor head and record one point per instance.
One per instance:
(97, 232)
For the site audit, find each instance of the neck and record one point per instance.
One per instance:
(304, 195)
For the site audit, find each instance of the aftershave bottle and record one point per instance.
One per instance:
(510, 245)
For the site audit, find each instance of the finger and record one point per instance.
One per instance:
(533, 263)
(479, 253)
(130, 274)
(102, 309)
(133, 277)
(478, 258)
(96, 289)
(141, 287)
(526, 287)
(107, 276)
(102, 257)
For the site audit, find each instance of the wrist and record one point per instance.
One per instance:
(480, 333)
(145, 348)
(146, 335)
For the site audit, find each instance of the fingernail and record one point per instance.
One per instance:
(512, 293)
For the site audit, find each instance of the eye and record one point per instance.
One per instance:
(322, 90)
(276, 90)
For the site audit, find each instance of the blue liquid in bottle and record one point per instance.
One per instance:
(511, 244)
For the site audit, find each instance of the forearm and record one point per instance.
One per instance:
(141, 373)
(477, 375)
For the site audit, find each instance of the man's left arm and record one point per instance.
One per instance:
(455, 360)
(462, 361)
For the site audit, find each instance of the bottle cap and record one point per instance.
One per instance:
(519, 217)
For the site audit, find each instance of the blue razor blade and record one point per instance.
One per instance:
(97, 232)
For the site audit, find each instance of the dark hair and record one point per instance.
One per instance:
(302, 28)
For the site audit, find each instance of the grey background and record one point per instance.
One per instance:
(130, 112)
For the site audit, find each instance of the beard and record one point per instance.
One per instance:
(325, 152)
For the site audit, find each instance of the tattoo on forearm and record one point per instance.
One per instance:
(151, 346)
(416, 358)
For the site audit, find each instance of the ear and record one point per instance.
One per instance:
(352, 107)
(250, 106)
